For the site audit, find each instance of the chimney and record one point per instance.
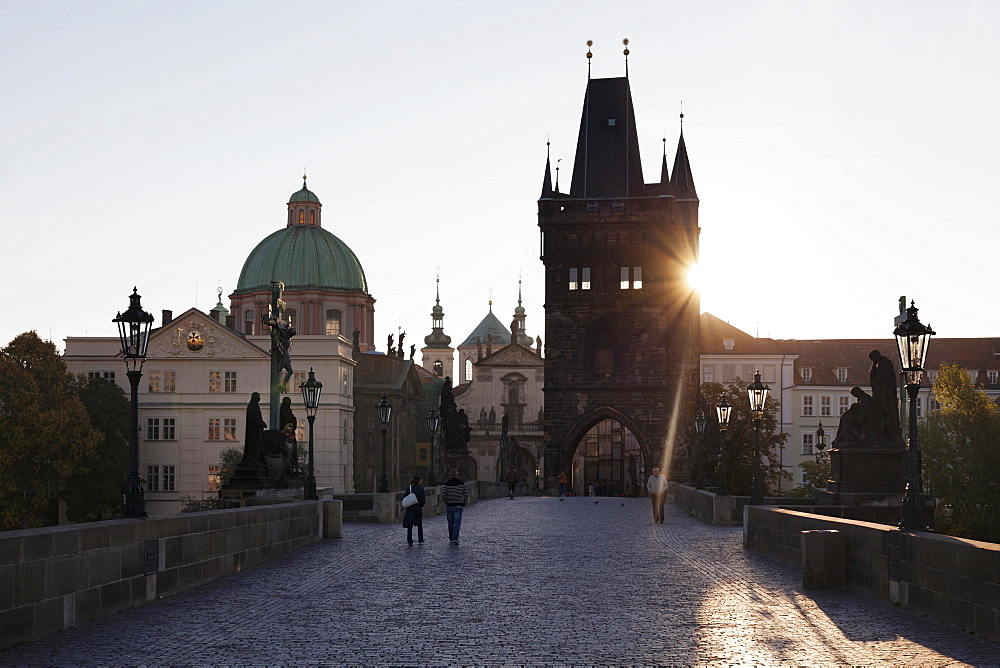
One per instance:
(215, 315)
(168, 317)
(231, 322)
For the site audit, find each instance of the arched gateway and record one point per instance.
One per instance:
(609, 459)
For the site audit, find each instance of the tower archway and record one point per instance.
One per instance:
(608, 455)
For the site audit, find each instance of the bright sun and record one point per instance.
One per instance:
(693, 278)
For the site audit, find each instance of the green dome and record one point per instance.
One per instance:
(302, 256)
(304, 195)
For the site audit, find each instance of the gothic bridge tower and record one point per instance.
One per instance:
(621, 322)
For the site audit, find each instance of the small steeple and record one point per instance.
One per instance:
(664, 172)
(682, 182)
(519, 316)
(547, 179)
(437, 338)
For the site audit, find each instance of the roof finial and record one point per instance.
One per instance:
(303, 177)
(518, 288)
(437, 287)
(590, 43)
(664, 143)
(491, 300)
(626, 52)
(682, 116)
(557, 173)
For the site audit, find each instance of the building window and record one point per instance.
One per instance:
(154, 381)
(807, 405)
(438, 368)
(295, 383)
(152, 429)
(573, 284)
(229, 429)
(935, 404)
(767, 373)
(585, 278)
(748, 372)
(592, 207)
(617, 207)
(807, 444)
(161, 429)
(991, 376)
(248, 322)
(728, 373)
(213, 429)
(215, 381)
(214, 478)
(631, 277)
(332, 322)
(468, 369)
(152, 477)
(843, 403)
(806, 373)
(841, 375)
(729, 344)
(107, 375)
(312, 217)
(825, 407)
(973, 375)
(920, 407)
(289, 316)
(932, 376)
(230, 381)
(169, 381)
(169, 429)
(168, 478)
(302, 216)
(708, 375)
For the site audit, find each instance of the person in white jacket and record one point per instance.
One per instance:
(657, 488)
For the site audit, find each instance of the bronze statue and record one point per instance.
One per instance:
(402, 335)
(389, 349)
(493, 416)
(253, 439)
(859, 424)
(413, 350)
(883, 382)
(281, 337)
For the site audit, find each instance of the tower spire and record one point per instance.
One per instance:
(626, 52)
(682, 182)
(557, 173)
(547, 179)
(664, 172)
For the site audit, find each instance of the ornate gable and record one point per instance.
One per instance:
(512, 355)
(194, 335)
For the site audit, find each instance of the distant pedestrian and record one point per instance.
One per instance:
(561, 479)
(657, 488)
(414, 515)
(455, 495)
(511, 482)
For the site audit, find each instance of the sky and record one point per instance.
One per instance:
(845, 153)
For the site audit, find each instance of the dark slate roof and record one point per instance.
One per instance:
(489, 325)
(607, 160)
(682, 182)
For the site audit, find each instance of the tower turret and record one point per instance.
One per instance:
(438, 355)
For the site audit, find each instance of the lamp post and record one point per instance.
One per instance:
(912, 339)
(433, 421)
(699, 426)
(384, 410)
(133, 329)
(724, 409)
(311, 391)
(757, 393)
(820, 444)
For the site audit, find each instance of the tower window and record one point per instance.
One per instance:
(468, 369)
(332, 322)
(248, 322)
(618, 207)
(585, 282)
(573, 282)
(579, 278)
(302, 216)
(312, 217)
(631, 278)
(438, 368)
(592, 207)
(612, 122)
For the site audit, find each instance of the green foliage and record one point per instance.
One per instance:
(228, 459)
(96, 492)
(189, 504)
(814, 476)
(739, 438)
(45, 432)
(960, 445)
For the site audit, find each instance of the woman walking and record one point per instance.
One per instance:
(414, 515)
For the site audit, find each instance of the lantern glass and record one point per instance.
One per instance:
(384, 410)
(311, 391)
(757, 392)
(820, 437)
(133, 330)
(699, 422)
(724, 409)
(912, 339)
(432, 421)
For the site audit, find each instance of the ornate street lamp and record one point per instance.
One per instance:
(912, 339)
(384, 410)
(699, 426)
(757, 393)
(433, 421)
(820, 444)
(133, 328)
(311, 391)
(724, 409)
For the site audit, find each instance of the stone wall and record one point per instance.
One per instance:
(386, 509)
(951, 579)
(717, 509)
(54, 578)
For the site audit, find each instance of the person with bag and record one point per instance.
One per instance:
(455, 495)
(413, 515)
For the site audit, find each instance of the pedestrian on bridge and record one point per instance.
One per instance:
(561, 479)
(657, 488)
(414, 515)
(511, 482)
(455, 495)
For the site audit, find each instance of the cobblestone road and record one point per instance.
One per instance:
(535, 581)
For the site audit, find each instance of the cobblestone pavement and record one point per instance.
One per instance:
(534, 581)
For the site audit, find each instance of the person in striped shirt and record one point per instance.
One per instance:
(455, 495)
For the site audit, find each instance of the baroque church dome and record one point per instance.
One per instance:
(302, 255)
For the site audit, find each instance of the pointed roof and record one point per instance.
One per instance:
(489, 325)
(607, 160)
(683, 182)
(547, 179)
(664, 172)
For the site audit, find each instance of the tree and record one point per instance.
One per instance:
(95, 492)
(45, 433)
(739, 438)
(814, 476)
(960, 445)
(228, 460)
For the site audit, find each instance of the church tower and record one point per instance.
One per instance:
(621, 322)
(438, 355)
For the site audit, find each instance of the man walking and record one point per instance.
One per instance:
(455, 495)
(657, 488)
(511, 482)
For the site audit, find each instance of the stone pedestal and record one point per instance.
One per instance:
(860, 474)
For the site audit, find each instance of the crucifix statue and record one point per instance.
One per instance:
(281, 343)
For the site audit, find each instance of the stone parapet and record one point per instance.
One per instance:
(55, 578)
(386, 509)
